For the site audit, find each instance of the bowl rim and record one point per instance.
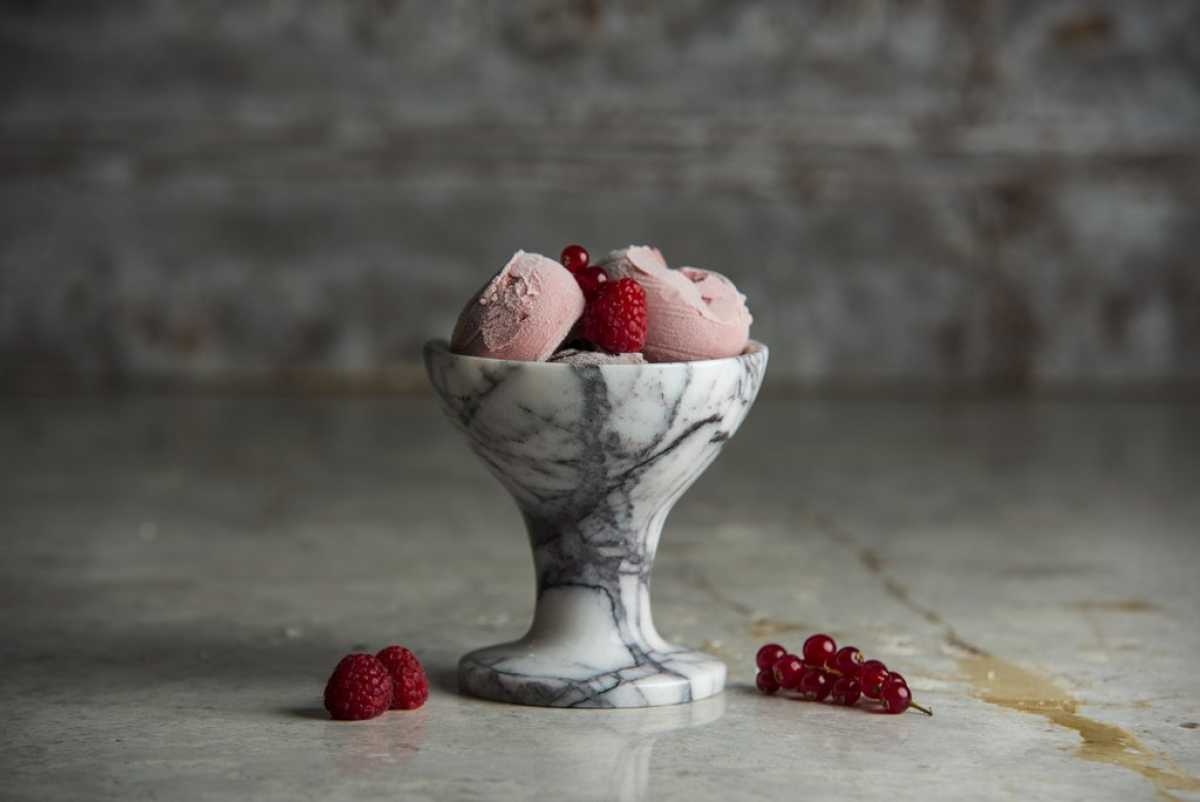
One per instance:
(441, 346)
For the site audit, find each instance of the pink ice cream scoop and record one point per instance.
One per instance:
(690, 313)
(523, 313)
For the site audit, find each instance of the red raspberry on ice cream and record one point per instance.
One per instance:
(615, 317)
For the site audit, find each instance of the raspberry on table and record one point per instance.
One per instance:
(410, 685)
(359, 688)
(615, 317)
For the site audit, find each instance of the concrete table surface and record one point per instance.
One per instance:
(180, 575)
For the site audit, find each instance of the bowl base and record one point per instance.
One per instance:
(515, 673)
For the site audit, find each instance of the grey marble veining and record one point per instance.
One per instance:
(595, 456)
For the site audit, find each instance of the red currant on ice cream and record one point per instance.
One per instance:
(769, 655)
(818, 649)
(590, 279)
(574, 258)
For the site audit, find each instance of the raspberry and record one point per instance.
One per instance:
(615, 317)
(359, 688)
(411, 688)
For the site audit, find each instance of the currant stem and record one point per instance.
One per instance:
(924, 710)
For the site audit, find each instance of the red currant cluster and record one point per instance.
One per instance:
(823, 671)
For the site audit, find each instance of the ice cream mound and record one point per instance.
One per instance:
(693, 313)
(631, 308)
(524, 312)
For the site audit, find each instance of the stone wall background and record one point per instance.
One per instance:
(983, 196)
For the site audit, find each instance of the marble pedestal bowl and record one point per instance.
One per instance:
(595, 457)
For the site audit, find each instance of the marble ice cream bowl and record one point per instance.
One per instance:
(595, 457)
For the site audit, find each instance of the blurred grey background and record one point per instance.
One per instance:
(292, 195)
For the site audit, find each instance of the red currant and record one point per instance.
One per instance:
(871, 677)
(814, 684)
(894, 678)
(769, 655)
(846, 661)
(896, 698)
(818, 649)
(845, 691)
(766, 682)
(787, 672)
(822, 670)
(590, 279)
(574, 258)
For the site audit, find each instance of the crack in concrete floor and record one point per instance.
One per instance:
(1000, 682)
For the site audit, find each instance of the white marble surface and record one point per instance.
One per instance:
(179, 576)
